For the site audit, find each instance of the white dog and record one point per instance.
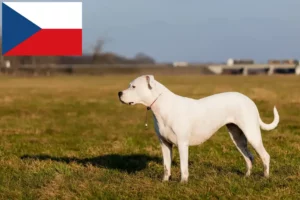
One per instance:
(185, 122)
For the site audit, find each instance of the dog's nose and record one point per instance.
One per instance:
(120, 94)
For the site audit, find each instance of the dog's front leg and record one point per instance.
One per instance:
(167, 158)
(183, 148)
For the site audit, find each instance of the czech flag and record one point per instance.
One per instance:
(42, 28)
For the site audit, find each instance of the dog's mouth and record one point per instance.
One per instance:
(123, 102)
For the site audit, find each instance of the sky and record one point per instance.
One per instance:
(194, 30)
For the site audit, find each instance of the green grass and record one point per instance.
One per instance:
(70, 138)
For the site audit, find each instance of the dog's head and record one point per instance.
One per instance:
(140, 91)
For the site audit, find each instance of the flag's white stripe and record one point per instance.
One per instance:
(51, 15)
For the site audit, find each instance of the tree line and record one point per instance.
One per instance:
(98, 56)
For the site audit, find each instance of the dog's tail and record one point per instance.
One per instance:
(268, 127)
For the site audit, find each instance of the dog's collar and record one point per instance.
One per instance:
(149, 107)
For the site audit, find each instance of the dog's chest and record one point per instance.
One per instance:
(164, 131)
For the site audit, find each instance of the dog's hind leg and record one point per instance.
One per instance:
(240, 142)
(253, 135)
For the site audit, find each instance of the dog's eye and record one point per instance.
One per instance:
(133, 86)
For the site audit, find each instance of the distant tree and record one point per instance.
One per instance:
(143, 58)
(98, 49)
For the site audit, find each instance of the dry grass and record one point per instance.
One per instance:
(70, 138)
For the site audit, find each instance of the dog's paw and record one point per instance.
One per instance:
(184, 181)
(248, 173)
(166, 178)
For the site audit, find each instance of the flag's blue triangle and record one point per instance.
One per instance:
(15, 28)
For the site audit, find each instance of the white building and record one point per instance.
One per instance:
(230, 62)
(180, 64)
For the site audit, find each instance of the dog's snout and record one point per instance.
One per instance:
(120, 94)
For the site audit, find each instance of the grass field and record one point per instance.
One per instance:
(71, 138)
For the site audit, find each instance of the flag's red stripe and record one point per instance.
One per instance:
(51, 42)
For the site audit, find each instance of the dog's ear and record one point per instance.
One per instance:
(150, 81)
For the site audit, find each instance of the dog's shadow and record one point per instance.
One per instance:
(128, 163)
